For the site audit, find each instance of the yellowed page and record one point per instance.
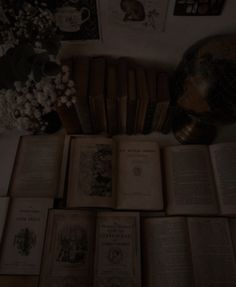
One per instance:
(18, 281)
(166, 253)
(24, 236)
(189, 180)
(212, 252)
(223, 158)
(69, 249)
(139, 180)
(90, 172)
(37, 167)
(117, 250)
(4, 201)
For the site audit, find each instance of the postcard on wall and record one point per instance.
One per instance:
(76, 20)
(146, 15)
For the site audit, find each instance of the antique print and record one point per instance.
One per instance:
(72, 245)
(147, 15)
(76, 19)
(96, 171)
(24, 241)
(117, 255)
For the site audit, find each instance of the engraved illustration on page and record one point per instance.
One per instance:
(72, 245)
(96, 171)
(137, 171)
(24, 241)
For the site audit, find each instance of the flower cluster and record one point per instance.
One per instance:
(25, 106)
(31, 23)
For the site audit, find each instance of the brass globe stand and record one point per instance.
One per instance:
(191, 130)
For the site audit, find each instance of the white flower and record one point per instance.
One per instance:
(37, 114)
(63, 99)
(65, 69)
(71, 84)
(18, 86)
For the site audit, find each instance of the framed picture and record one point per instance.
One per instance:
(75, 19)
(198, 7)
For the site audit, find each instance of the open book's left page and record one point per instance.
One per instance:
(4, 201)
(24, 236)
(190, 184)
(166, 253)
(223, 157)
(8, 149)
(90, 172)
(69, 249)
(16, 280)
(37, 167)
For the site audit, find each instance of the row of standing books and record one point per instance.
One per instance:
(88, 248)
(116, 97)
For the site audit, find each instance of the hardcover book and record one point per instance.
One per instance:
(4, 201)
(112, 97)
(142, 99)
(81, 73)
(97, 95)
(132, 101)
(201, 179)
(24, 236)
(91, 250)
(161, 121)
(38, 166)
(193, 251)
(122, 94)
(121, 173)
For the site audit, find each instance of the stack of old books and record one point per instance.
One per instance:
(116, 97)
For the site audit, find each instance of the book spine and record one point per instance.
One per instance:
(81, 68)
(97, 95)
(151, 109)
(111, 99)
(132, 102)
(122, 95)
(69, 119)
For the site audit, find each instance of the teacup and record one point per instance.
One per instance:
(69, 19)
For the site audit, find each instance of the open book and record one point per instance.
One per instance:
(4, 201)
(24, 236)
(195, 252)
(37, 171)
(201, 179)
(91, 250)
(121, 173)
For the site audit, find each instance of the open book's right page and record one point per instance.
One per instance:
(223, 157)
(212, 252)
(189, 180)
(139, 180)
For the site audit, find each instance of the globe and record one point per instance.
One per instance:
(204, 83)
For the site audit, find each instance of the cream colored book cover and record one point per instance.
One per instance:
(24, 236)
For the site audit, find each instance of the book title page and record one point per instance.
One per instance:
(24, 237)
(117, 250)
(70, 243)
(139, 181)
